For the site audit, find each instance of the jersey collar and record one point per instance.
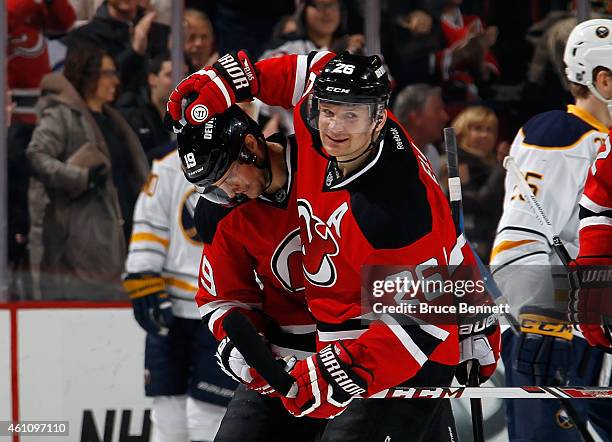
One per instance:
(587, 117)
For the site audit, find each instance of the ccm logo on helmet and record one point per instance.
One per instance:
(199, 113)
(337, 89)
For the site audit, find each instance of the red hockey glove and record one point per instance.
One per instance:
(325, 383)
(232, 79)
(590, 305)
(233, 364)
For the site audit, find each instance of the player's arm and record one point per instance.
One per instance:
(147, 252)
(234, 78)
(590, 307)
(227, 282)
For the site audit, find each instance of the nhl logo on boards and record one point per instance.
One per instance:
(199, 113)
(602, 31)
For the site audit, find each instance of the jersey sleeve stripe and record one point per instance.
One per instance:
(595, 221)
(331, 336)
(436, 332)
(153, 226)
(402, 335)
(149, 237)
(318, 56)
(210, 307)
(591, 205)
(300, 78)
(507, 245)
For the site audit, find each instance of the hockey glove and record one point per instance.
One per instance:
(232, 79)
(544, 349)
(151, 303)
(479, 340)
(325, 383)
(233, 364)
(590, 305)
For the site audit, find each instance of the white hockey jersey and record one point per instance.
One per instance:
(554, 151)
(164, 239)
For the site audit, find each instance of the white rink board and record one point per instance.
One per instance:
(5, 366)
(82, 362)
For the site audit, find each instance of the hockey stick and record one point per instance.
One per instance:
(557, 245)
(454, 188)
(456, 201)
(244, 336)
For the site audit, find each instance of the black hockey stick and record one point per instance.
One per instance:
(246, 339)
(454, 189)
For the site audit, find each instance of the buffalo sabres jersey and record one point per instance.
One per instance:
(390, 211)
(252, 261)
(553, 150)
(164, 239)
(596, 211)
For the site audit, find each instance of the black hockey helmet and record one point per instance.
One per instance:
(351, 79)
(208, 150)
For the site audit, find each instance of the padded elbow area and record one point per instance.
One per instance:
(169, 419)
(203, 419)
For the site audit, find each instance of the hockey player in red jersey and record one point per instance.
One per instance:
(591, 304)
(251, 261)
(349, 146)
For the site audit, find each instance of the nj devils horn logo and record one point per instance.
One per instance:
(286, 262)
(319, 244)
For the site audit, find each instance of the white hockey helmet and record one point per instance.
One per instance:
(589, 46)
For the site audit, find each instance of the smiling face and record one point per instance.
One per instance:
(108, 82)
(345, 129)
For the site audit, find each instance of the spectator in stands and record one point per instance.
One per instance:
(320, 26)
(144, 111)
(482, 176)
(420, 109)
(199, 40)
(413, 42)
(92, 167)
(470, 78)
(121, 28)
(28, 62)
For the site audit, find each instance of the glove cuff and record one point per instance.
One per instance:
(338, 370)
(238, 71)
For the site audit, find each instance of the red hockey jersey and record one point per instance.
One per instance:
(596, 211)
(28, 59)
(252, 261)
(390, 211)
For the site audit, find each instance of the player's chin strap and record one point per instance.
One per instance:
(600, 97)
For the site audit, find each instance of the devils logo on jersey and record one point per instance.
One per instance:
(319, 245)
(286, 262)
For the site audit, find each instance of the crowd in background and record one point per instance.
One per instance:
(89, 80)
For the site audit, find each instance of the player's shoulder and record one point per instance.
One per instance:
(169, 162)
(208, 216)
(557, 129)
(390, 203)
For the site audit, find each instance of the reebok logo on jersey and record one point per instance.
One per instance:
(396, 137)
(338, 374)
(235, 71)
